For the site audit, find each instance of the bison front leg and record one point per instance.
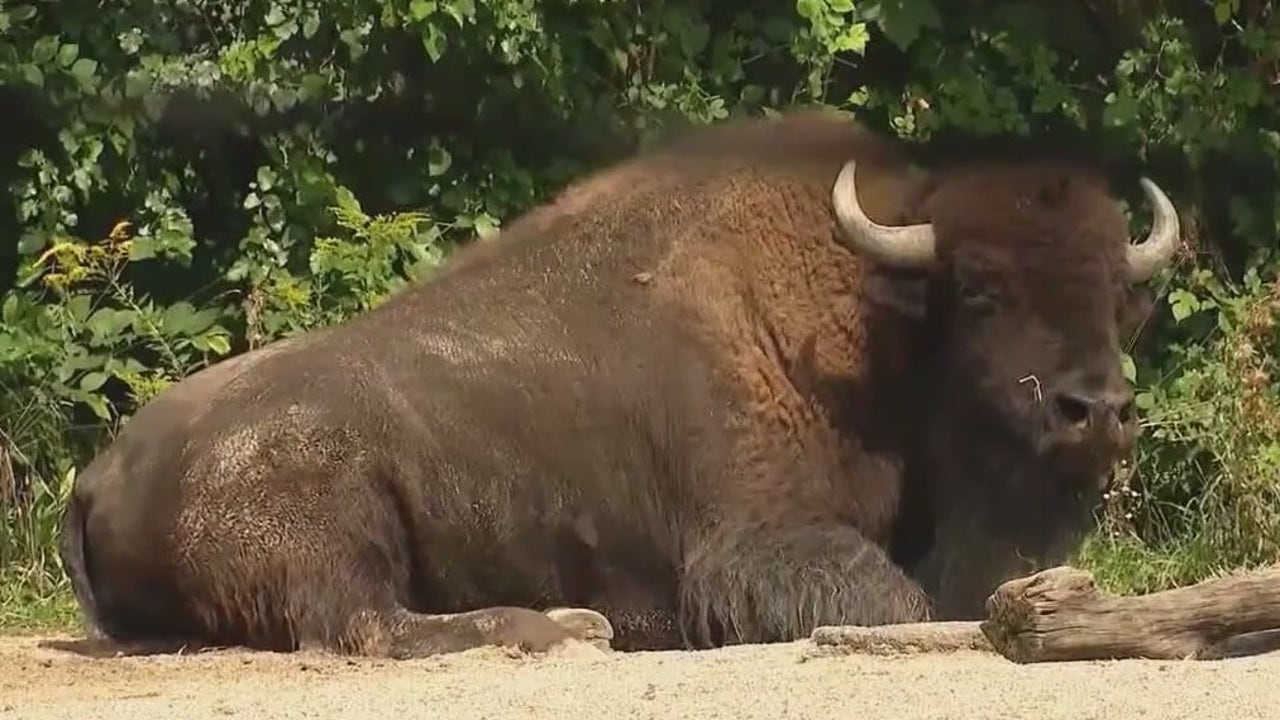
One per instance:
(413, 635)
(760, 585)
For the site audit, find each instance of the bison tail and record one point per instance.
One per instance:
(71, 550)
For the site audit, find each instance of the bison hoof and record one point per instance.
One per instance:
(584, 624)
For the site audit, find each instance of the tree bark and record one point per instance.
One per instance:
(1060, 614)
(899, 639)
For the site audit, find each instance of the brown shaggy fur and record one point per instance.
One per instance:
(671, 395)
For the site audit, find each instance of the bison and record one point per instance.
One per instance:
(762, 378)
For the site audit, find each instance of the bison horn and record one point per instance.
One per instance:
(1152, 255)
(904, 246)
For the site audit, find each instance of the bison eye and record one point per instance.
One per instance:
(975, 293)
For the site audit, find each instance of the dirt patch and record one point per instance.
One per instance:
(580, 682)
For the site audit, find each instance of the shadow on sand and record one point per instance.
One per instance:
(1245, 645)
(105, 648)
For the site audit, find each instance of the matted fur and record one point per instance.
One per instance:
(671, 394)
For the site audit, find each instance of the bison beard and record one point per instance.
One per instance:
(994, 529)
(683, 394)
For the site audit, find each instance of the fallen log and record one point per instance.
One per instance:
(900, 639)
(1060, 614)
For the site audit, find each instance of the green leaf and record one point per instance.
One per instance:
(136, 85)
(143, 247)
(84, 70)
(486, 226)
(810, 9)
(179, 318)
(438, 161)
(78, 307)
(98, 405)
(9, 312)
(460, 11)
(174, 239)
(310, 25)
(420, 10)
(433, 41)
(1128, 368)
(44, 50)
(1223, 10)
(266, 178)
(31, 242)
(903, 20)
(107, 323)
(219, 344)
(32, 74)
(201, 320)
(284, 98)
(68, 53)
(347, 201)
(1119, 111)
(312, 87)
(1183, 304)
(78, 359)
(22, 13)
(90, 382)
(853, 38)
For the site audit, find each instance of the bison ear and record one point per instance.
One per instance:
(903, 291)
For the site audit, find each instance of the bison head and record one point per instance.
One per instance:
(1029, 283)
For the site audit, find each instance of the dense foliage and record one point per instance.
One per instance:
(187, 179)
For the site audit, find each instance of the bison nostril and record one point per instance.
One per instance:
(1073, 409)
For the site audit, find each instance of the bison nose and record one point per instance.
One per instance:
(1096, 410)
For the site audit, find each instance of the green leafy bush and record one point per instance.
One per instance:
(1208, 497)
(259, 169)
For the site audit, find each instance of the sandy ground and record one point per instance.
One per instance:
(581, 682)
